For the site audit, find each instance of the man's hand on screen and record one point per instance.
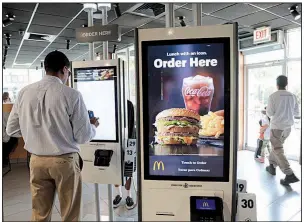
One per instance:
(94, 121)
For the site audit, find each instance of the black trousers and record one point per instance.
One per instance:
(259, 148)
(8, 148)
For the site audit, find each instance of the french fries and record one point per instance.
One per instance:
(212, 124)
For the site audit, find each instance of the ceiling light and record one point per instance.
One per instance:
(9, 20)
(68, 44)
(22, 64)
(293, 10)
(89, 6)
(181, 21)
(8, 38)
(117, 10)
(104, 5)
(84, 25)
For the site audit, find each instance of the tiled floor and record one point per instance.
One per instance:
(274, 202)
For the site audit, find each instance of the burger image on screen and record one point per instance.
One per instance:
(177, 127)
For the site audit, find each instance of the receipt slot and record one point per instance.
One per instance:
(206, 209)
(187, 122)
(100, 84)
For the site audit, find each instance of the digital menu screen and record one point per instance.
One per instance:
(205, 204)
(98, 87)
(186, 104)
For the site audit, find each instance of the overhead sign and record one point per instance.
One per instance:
(261, 35)
(98, 33)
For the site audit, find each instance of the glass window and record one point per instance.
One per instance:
(294, 78)
(293, 142)
(15, 79)
(261, 84)
(264, 56)
(294, 43)
(35, 75)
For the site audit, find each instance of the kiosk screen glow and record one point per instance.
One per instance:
(98, 88)
(187, 111)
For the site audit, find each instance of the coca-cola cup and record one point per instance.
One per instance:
(198, 93)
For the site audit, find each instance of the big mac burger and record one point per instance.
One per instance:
(177, 127)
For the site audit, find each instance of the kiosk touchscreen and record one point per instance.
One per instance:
(99, 84)
(187, 82)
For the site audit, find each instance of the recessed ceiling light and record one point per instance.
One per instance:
(22, 64)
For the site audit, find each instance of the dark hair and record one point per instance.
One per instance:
(282, 82)
(55, 61)
(5, 96)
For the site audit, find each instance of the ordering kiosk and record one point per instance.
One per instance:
(100, 83)
(187, 123)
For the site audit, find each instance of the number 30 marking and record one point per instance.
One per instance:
(247, 203)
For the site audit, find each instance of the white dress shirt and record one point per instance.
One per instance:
(51, 117)
(282, 107)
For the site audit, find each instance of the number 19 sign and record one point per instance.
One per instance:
(261, 35)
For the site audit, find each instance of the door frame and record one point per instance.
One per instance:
(246, 90)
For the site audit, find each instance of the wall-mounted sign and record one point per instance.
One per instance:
(261, 35)
(98, 33)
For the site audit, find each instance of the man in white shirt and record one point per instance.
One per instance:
(282, 108)
(53, 120)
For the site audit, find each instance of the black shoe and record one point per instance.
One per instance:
(270, 169)
(117, 201)
(129, 203)
(289, 179)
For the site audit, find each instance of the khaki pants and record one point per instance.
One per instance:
(277, 156)
(55, 173)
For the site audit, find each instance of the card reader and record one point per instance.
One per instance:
(206, 208)
(102, 158)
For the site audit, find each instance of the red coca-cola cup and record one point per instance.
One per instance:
(198, 93)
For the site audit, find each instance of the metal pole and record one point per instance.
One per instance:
(91, 57)
(169, 15)
(91, 45)
(197, 14)
(105, 45)
(105, 53)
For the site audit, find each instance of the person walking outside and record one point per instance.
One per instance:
(263, 141)
(282, 108)
(53, 120)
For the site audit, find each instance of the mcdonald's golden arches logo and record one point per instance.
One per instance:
(159, 165)
(205, 204)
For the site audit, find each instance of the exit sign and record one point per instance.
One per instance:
(261, 35)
